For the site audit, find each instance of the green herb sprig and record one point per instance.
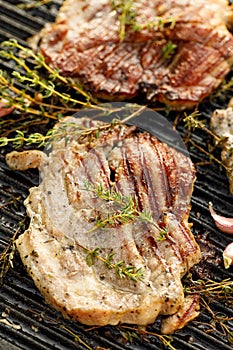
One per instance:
(41, 95)
(211, 291)
(126, 209)
(12, 46)
(126, 15)
(191, 123)
(134, 332)
(66, 130)
(210, 288)
(168, 50)
(122, 270)
(7, 255)
(20, 139)
(159, 23)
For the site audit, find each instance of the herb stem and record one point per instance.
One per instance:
(76, 337)
(165, 339)
(202, 150)
(6, 257)
(33, 5)
(41, 61)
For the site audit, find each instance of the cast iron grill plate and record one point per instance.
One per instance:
(26, 321)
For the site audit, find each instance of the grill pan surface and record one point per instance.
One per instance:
(26, 321)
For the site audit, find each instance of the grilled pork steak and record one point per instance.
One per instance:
(175, 52)
(109, 238)
(221, 124)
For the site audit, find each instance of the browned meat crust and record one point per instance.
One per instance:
(84, 43)
(63, 213)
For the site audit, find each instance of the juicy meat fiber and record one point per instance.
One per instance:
(64, 208)
(84, 43)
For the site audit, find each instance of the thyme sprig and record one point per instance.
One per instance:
(127, 17)
(159, 23)
(22, 101)
(20, 139)
(7, 255)
(133, 332)
(126, 209)
(75, 336)
(210, 292)
(66, 130)
(219, 322)
(121, 269)
(41, 94)
(62, 132)
(210, 288)
(25, 53)
(191, 123)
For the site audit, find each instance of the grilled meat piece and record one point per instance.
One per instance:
(88, 187)
(181, 52)
(221, 123)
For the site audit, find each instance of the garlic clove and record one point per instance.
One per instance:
(4, 109)
(223, 223)
(228, 255)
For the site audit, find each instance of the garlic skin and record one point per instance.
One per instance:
(228, 255)
(4, 110)
(223, 223)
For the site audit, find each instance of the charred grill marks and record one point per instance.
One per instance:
(61, 208)
(89, 49)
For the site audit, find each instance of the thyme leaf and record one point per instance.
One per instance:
(91, 255)
(163, 234)
(168, 50)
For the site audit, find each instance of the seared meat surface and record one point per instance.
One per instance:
(175, 52)
(221, 124)
(88, 187)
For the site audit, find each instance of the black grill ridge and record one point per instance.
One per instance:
(32, 323)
